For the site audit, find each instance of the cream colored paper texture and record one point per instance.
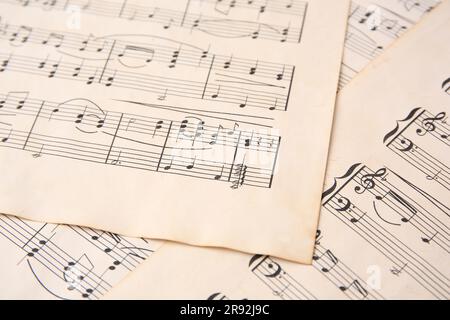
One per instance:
(48, 261)
(191, 127)
(384, 229)
(373, 26)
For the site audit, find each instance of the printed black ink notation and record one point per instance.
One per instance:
(428, 154)
(275, 278)
(78, 129)
(367, 203)
(422, 6)
(257, 19)
(218, 296)
(446, 86)
(379, 19)
(373, 28)
(324, 261)
(342, 276)
(370, 30)
(148, 63)
(67, 271)
(395, 207)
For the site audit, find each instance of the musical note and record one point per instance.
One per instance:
(219, 176)
(21, 36)
(39, 153)
(54, 39)
(77, 70)
(136, 56)
(5, 139)
(158, 126)
(330, 257)
(357, 285)
(429, 239)
(17, 98)
(191, 165)
(215, 136)
(169, 166)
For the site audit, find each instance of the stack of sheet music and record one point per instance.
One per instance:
(281, 149)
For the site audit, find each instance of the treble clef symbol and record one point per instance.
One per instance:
(367, 181)
(428, 124)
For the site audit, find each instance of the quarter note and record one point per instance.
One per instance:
(285, 33)
(101, 122)
(110, 79)
(84, 44)
(55, 67)
(255, 34)
(216, 95)
(158, 126)
(219, 176)
(77, 70)
(203, 56)
(169, 166)
(262, 8)
(80, 116)
(248, 141)
(5, 64)
(91, 78)
(274, 106)
(168, 24)
(152, 14)
(5, 139)
(192, 165)
(43, 63)
(428, 240)
(175, 55)
(244, 104)
(280, 76)
(54, 111)
(254, 68)
(215, 136)
(182, 129)
(227, 63)
(197, 22)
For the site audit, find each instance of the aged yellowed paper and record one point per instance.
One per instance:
(47, 261)
(384, 229)
(200, 125)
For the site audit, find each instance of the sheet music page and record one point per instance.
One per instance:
(202, 122)
(48, 261)
(373, 26)
(384, 228)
